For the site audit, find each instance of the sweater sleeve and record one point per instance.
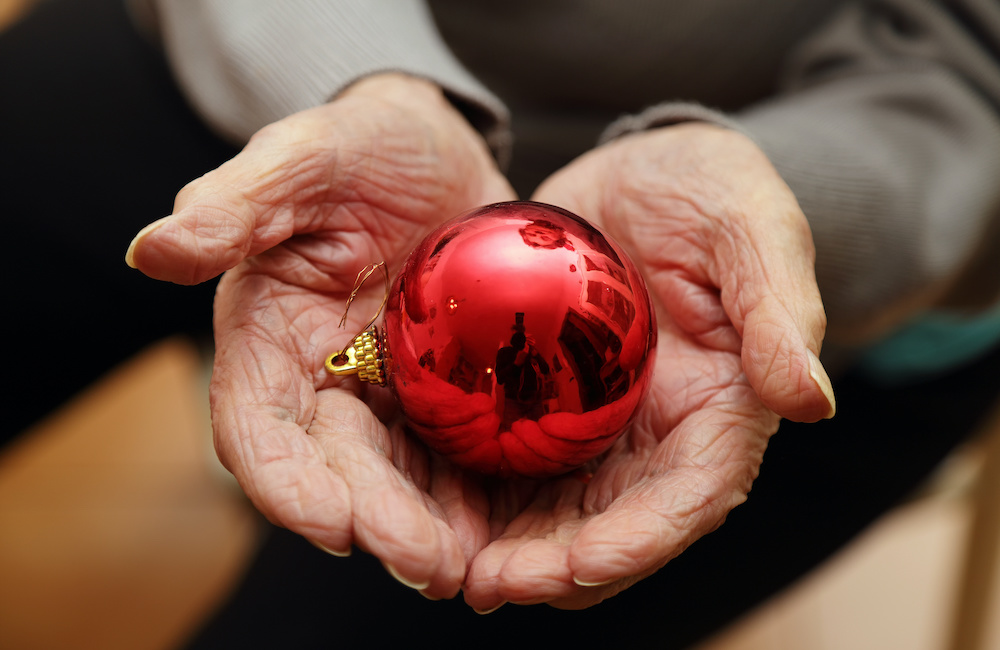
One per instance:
(887, 129)
(246, 63)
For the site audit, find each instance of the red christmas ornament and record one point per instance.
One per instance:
(517, 340)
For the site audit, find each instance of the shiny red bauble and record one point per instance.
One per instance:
(518, 340)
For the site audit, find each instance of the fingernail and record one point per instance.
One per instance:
(332, 552)
(427, 595)
(592, 584)
(822, 381)
(484, 612)
(419, 586)
(130, 253)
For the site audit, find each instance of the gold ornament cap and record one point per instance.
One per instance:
(363, 358)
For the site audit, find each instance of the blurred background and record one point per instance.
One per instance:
(119, 529)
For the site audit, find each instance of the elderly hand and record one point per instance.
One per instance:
(291, 220)
(728, 258)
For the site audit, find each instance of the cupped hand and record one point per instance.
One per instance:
(291, 220)
(728, 258)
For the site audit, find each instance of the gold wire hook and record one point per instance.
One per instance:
(363, 276)
(358, 356)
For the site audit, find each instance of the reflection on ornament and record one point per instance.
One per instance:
(517, 340)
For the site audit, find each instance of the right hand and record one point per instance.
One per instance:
(728, 259)
(291, 220)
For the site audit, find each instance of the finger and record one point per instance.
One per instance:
(695, 477)
(528, 563)
(462, 503)
(533, 571)
(392, 518)
(263, 442)
(263, 401)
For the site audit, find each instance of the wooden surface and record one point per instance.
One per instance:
(117, 527)
(11, 10)
(976, 610)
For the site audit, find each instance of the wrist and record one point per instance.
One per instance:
(414, 92)
(395, 86)
(668, 115)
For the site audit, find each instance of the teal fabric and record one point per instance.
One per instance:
(933, 343)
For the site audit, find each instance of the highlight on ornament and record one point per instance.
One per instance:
(517, 338)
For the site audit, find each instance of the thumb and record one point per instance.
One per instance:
(219, 219)
(190, 246)
(774, 302)
(784, 370)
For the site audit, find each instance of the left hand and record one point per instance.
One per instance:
(728, 258)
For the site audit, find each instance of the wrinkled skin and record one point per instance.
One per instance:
(314, 198)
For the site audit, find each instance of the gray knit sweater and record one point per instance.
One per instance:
(882, 116)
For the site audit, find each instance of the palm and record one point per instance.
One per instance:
(698, 441)
(688, 459)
